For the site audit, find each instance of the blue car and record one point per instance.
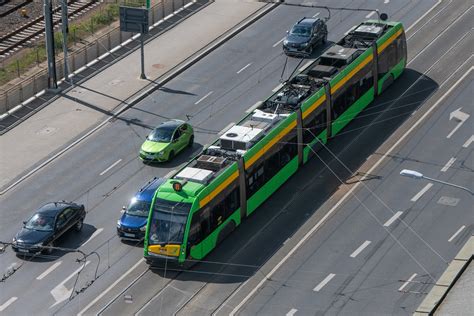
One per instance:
(132, 224)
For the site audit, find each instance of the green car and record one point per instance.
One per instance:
(165, 141)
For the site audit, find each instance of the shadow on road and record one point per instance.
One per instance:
(261, 235)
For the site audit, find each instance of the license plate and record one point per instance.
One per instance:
(22, 250)
(149, 156)
(128, 235)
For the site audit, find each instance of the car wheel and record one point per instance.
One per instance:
(191, 141)
(171, 155)
(324, 39)
(79, 225)
(48, 251)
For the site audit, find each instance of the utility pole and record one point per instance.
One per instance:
(142, 49)
(65, 30)
(49, 34)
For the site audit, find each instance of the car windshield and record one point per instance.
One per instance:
(138, 208)
(161, 134)
(40, 222)
(168, 221)
(300, 31)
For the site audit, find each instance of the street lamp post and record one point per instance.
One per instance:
(418, 175)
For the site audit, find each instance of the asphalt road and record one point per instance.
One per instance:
(228, 89)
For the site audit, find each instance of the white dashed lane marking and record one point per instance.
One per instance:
(49, 270)
(8, 303)
(393, 218)
(201, 99)
(113, 165)
(423, 191)
(456, 233)
(243, 68)
(361, 247)
(324, 282)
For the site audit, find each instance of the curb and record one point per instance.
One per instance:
(447, 280)
(143, 93)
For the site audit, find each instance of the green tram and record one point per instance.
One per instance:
(200, 204)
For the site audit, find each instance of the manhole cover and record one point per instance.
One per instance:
(158, 66)
(448, 201)
(46, 131)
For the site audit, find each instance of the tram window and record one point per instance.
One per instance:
(288, 151)
(255, 180)
(366, 83)
(314, 127)
(195, 230)
(232, 202)
(387, 59)
(205, 215)
(343, 101)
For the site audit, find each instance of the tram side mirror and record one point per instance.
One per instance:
(383, 16)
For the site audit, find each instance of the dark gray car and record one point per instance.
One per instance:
(304, 36)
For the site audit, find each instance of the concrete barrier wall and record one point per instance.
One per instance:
(80, 57)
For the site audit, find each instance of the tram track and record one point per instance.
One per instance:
(34, 30)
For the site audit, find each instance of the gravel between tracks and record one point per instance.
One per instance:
(15, 20)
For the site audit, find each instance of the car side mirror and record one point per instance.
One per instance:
(287, 32)
(24, 223)
(124, 208)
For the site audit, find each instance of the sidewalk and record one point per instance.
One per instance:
(48, 133)
(453, 293)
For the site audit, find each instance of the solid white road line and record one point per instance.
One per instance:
(305, 66)
(278, 43)
(291, 312)
(324, 282)
(448, 164)
(49, 270)
(277, 87)
(370, 14)
(113, 165)
(407, 282)
(468, 142)
(253, 107)
(8, 303)
(97, 232)
(359, 250)
(110, 287)
(422, 191)
(456, 233)
(243, 68)
(199, 101)
(393, 218)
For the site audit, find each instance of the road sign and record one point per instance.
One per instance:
(134, 20)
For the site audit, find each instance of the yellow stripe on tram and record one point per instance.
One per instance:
(219, 189)
(351, 74)
(269, 145)
(314, 106)
(389, 41)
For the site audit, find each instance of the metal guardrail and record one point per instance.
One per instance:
(79, 57)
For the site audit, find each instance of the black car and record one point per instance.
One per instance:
(304, 36)
(46, 225)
